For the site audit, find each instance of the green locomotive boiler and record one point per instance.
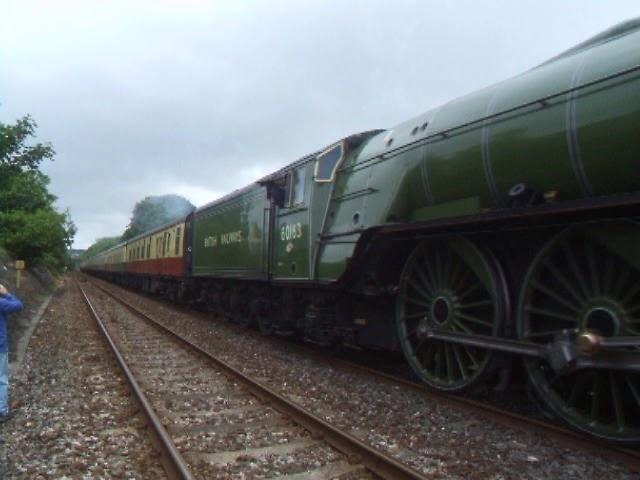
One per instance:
(499, 226)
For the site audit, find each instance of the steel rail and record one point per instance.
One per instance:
(175, 465)
(355, 450)
(627, 456)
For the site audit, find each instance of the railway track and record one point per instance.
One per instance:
(209, 420)
(626, 456)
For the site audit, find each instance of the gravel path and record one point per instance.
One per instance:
(75, 419)
(430, 436)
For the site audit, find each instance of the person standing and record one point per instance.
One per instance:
(8, 304)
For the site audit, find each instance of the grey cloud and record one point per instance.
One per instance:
(138, 96)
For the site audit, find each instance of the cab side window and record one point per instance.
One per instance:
(327, 163)
(298, 180)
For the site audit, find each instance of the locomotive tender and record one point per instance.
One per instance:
(503, 224)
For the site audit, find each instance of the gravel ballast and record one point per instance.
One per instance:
(77, 420)
(432, 437)
(75, 417)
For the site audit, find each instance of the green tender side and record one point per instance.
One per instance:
(569, 128)
(230, 235)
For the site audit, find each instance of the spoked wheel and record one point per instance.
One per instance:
(586, 279)
(449, 284)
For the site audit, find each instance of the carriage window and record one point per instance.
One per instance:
(297, 187)
(327, 163)
(177, 250)
(149, 249)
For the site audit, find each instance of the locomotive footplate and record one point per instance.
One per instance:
(569, 350)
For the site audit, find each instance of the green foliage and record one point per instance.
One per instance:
(14, 152)
(155, 211)
(24, 190)
(41, 237)
(30, 227)
(100, 245)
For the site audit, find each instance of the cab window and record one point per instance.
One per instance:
(327, 163)
(297, 186)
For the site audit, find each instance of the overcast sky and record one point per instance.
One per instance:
(198, 98)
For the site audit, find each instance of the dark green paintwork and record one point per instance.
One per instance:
(575, 145)
(291, 235)
(459, 159)
(225, 252)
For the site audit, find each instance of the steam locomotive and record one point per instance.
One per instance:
(502, 225)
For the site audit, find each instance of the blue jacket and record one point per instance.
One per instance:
(8, 304)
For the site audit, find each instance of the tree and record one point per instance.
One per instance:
(41, 237)
(25, 190)
(30, 227)
(155, 211)
(13, 150)
(100, 245)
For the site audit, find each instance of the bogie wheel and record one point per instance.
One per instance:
(452, 285)
(587, 278)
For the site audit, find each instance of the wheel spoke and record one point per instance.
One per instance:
(578, 282)
(550, 314)
(575, 269)
(412, 316)
(447, 354)
(593, 269)
(439, 362)
(425, 281)
(422, 292)
(633, 389)
(460, 327)
(472, 289)
(430, 356)
(461, 366)
(617, 402)
(621, 281)
(430, 274)
(456, 271)
(438, 268)
(563, 281)
(419, 345)
(607, 281)
(472, 319)
(550, 293)
(632, 293)
(481, 303)
(417, 301)
(633, 330)
(576, 388)
(595, 397)
(444, 287)
(472, 356)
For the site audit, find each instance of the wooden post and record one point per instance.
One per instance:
(19, 267)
